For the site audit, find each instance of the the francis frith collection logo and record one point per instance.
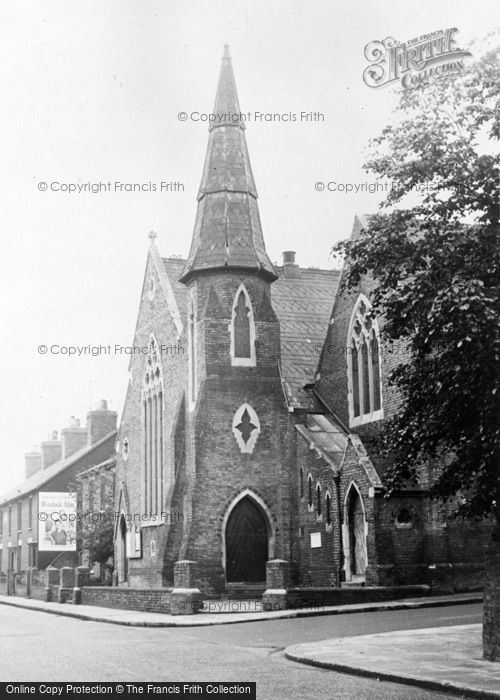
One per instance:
(414, 62)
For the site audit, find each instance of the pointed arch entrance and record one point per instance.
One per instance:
(355, 547)
(247, 541)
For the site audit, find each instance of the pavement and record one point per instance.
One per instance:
(446, 659)
(223, 612)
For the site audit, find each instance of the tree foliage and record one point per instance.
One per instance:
(437, 265)
(97, 535)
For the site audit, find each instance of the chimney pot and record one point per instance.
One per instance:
(51, 450)
(74, 438)
(288, 257)
(100, 422)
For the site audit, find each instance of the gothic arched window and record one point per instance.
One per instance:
(242, 330)
(328, 509)
(318, 499)
(363, 366)
(152, 412)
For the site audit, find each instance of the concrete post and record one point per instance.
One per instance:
(30, 579)
(66, 580)
(277, 582)
(185, 598)
(51, 579)
(82, 578)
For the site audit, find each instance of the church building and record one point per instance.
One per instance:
(247, 427)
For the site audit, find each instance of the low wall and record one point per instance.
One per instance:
(468, 577)
(142, 599)
(319, 597)
(39, 591)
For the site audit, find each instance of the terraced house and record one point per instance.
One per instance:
(254, 443)
(52, 469)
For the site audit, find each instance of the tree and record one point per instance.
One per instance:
(437, 265)
(97, 537)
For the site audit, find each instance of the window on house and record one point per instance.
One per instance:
(364, 366)
(310, 490)
(19, 516)
(318, 499)
(152, 408)
(32, 554)
(242, 330)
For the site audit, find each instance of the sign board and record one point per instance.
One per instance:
(133, 542)
(315, 539)
(56, 522)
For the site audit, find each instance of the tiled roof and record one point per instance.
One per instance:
(43, 475)
(303, 306)
(326, 437)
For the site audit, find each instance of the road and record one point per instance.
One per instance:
(35, 646)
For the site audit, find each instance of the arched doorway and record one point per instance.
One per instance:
(358, 556)
(123, 551)
(247, 543)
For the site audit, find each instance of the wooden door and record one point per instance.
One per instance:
(246, 543)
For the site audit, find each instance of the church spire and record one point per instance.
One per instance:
(227, 232)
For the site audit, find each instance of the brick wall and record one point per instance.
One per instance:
(153, 569)
(143, 599)
(217, 472)
(314, 566)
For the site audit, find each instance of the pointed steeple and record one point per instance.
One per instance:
(227, 232)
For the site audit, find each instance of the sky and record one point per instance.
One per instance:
(91, 93)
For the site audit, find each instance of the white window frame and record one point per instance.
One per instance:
(246, 447)
(243, 361)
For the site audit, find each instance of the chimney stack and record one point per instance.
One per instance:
(100, 422)
(51, 450)
(290, 268)
(73, 438)
(32, 463)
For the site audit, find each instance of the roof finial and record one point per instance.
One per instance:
(226, 51)
(152, 236)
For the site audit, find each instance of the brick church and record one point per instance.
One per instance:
(247, 426)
